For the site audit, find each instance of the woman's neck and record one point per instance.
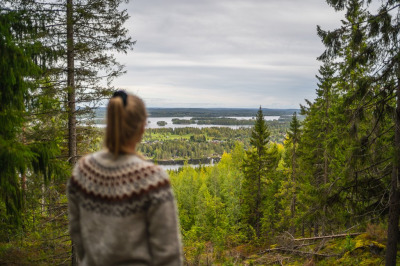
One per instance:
(130, 149)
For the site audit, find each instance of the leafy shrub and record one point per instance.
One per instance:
(349, 244)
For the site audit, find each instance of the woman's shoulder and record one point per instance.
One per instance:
(106, 161)
(100, 174)
(128, 163)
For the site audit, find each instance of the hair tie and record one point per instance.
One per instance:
(121, 94)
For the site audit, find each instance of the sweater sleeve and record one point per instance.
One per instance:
(164, 236)
(74, 223)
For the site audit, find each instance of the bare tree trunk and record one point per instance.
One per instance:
(43, 199)
(23, 176)
(316, 228)
(71, 98)
(258, 206)
(394, 201)
(326, 163)
(323, 223)
(71, 85)
(293, 203)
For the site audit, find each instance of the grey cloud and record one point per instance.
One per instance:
(227, 53)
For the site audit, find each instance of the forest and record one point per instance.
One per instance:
(195, 143)
(320, 191)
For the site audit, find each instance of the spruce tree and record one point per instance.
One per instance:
(82, 37)
(25, 150)
(376, 97)
(291, 145)
(316, 152)
(255, 172)
(15, 67)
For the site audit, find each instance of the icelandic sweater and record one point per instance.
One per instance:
(122, 212)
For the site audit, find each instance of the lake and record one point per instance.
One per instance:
(152, 122)
(177, 166)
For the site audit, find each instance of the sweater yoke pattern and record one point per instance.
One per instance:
(119, 190)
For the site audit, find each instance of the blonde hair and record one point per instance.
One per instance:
(126, 118)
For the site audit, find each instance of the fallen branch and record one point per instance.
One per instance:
(278, 260)
(310, 253)
(268, 250)
(324, 237)
(299, 252)
(58, 237)
(280, 248)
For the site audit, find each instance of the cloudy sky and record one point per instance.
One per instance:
(225, 53)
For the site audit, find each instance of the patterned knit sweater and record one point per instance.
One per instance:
(122, 212)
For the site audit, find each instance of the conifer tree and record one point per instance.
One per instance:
(271, 206)
(255, 172)
(80, 38)
(375, 97)
(316, 150)
(23, 150)
(338, 122)
(15, 66)
(291, 150)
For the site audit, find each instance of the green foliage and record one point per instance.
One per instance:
(99, 32)
(260, 134)
(209, 204)
(286, 191)
(259, 168)
(332, 173)
(349, 244)
(16, 66)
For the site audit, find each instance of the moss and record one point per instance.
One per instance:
(372, 261)
(365, 250)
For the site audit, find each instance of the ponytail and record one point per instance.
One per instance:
(115, 118)
(126, 117)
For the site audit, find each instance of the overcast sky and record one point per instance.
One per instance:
(225, 53)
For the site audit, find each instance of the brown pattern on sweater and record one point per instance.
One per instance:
(121, 190)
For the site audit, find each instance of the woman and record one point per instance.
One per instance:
(121, 207)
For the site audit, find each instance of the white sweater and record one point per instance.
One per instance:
(122, 212)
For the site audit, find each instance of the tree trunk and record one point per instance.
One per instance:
(316, 227)
(394, 208)
(258, 205)
(326, 163)
(71, 85)
(23, 175)
(293, 204)
(71, 98)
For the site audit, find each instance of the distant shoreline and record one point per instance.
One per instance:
(208, 160)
